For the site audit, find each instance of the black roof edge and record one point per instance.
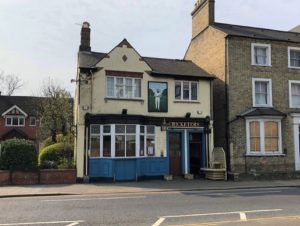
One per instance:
(211, 77)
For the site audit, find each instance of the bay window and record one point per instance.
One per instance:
(263, 136)
(122, 141)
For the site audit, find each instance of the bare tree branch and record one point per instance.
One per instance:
(9, 83)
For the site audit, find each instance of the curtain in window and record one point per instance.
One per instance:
(186, 90)
(254, 137)
(295, 94)
(261, 92)
(194, 91)
(128, 87)
(137, 90)
(260, 55)
(295, 58)
(271, 136)
(120, 87)
(178, 90)
(110, 87)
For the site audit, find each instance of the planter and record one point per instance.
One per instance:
(57, 176)
(4, 177)
(25, 177)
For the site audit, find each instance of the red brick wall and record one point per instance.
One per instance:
(24, 178)
(4, 177)
(53, 176)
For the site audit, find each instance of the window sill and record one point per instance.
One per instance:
(13, 126)
(265, 155)
(261, 65)
(187, 101)
(262, 106)
(123, 99)
(291, 67)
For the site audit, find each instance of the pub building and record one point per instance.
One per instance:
(140, 116)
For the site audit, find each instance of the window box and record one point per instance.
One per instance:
(261, 54)
(294, 57)
(262, 92)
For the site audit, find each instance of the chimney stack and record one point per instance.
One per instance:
(203, 15)
(85, 37)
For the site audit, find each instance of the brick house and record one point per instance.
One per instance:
(19, 117)
(139, 116)
(256, 94)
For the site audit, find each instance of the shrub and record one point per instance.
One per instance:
(18, 154)
(47, 142)
(57, 156)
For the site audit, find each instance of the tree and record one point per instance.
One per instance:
(9, 83)
(55, 112)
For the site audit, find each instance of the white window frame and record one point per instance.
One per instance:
(290, 93)
(289, 56)
(124, 86)
(269, 51)
(262, 136)
(113, 137)
(30, 121)
(270, 98)
(11, 117)
(190, 91)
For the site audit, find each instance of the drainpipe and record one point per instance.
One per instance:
(227, 135)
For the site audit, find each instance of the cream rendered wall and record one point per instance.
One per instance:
(92, 99)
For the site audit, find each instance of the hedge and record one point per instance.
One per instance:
(47, 142)
(57, 156)
(18, 154)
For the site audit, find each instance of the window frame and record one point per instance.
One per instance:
(124, 87)
(262, 151)
(268, 52)
(32, 117)
(290, 93)
(11, 118)
(289, 56)
(190, 91)
(270, 95)
(113, 135)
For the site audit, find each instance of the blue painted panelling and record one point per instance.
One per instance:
(101, 168)
(125, 169)
(128, 169)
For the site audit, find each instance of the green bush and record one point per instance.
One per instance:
(47, 142)
(18, 154)
(57, 156)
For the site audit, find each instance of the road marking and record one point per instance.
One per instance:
(242, 193)
(69, 223)
(243, 216)
(159, 221)
(222, 213)
(106, 198)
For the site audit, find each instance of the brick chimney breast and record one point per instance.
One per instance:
(203, 15)
(85, 37)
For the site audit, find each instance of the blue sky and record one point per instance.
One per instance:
(39, 38)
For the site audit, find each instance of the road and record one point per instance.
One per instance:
(270, 207)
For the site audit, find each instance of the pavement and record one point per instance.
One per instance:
(147, 186)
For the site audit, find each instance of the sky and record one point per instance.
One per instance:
(39, 39)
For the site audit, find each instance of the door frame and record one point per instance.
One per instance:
(182, 155)
(296, 125)
(203, 140)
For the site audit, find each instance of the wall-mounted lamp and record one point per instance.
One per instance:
(124, 111)
(188, 115)
(164, 125)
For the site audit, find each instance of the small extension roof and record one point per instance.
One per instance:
(259, 33)
(262, 112)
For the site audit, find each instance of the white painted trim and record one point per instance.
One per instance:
(190, 91)
(262, 137)
(269, 56)
(270, 94)
(289, 56)
(296, 125)
(11, 118)
(15, 106)
(290, 93)
(185, 152)
(30, 121)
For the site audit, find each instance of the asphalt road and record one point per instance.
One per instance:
(270, 207)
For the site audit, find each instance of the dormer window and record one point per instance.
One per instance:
(261, 54)
(15, 121)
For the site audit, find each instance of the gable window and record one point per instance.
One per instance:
(14, 121)
(262, 92)
(261, 54)
(123, 87)
(294, 94)
(32, 121)
(263, 136)
(186, 90)
(294, 57)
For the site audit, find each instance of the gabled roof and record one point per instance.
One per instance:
(12, 108)
(159, 66)
(27, 104)
(262, 112)
(258, 33)
(296, 29)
